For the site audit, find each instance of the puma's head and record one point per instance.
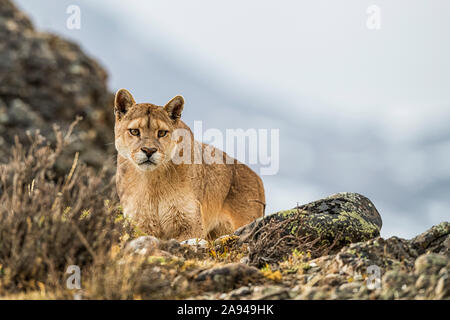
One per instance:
(143, 131)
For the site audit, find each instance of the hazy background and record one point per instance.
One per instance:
(358, 110)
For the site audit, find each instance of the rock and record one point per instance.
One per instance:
(345, 217)
(332, 279)
(154, 280)
(443, 287)
(424, 281)
(383, 253)
(403, 274)
(334, 222)
(430, 264)
(244, 260)
(180, 283)
(157, 254)
(143, 245)
(396, 279)
(228, 276)
(314, 293)
(350, 288)
(196, 243)
(435, 239)
(240, 292)
(45, 79)
(271, 292)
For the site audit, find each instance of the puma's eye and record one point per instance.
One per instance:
(135, 132)
(162, 133)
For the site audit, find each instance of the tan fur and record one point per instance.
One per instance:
(180, 201)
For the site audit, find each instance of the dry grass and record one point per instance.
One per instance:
(50, 222)
(270, 244)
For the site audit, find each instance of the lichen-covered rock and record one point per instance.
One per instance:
(404, 273)
(384, 253)
(442, 289)
(397, 284)
(335, 221)
(435, 239)
(343, 217)
(45, 79)
(228, 276)
(431, 263)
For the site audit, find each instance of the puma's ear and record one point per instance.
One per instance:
(174, 107)
(123, 102)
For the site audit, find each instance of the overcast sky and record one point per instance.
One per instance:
(358, 110)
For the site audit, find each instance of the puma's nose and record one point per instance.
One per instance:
(148, 151)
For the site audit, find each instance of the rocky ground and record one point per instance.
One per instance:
(58, 209)
(273, 259)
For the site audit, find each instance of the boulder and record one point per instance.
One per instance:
(329, 223)
(343, 217)
(46, 80)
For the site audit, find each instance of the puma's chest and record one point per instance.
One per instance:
(159, 213)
